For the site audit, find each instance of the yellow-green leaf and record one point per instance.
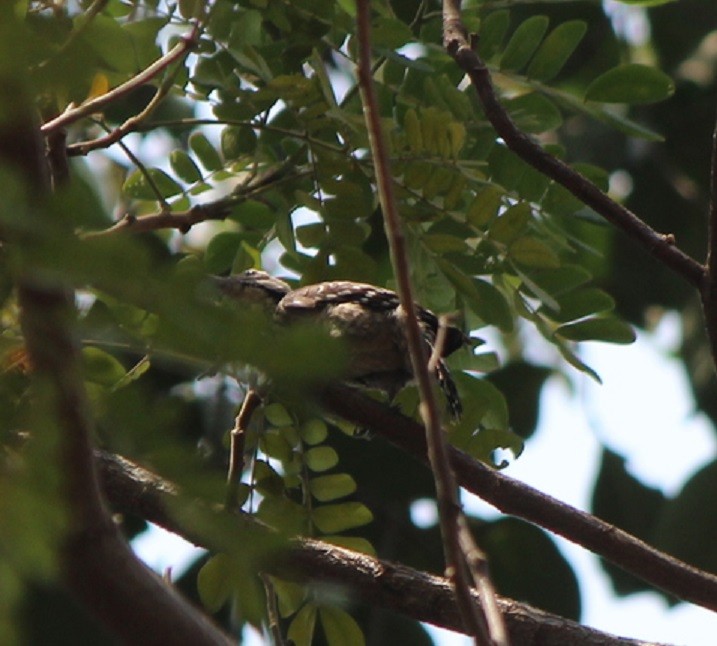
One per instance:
(340, 628)
(301, 628)
(332, 487)
(532, 252)
(338, 518)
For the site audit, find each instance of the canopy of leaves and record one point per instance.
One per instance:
(253, 126)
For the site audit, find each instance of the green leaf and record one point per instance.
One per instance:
(274, 445)
(301, 628)
(523, 43)
(340, 628)
(321, 458)
(511, 224)
(390, 33)
(101, 367)
(561, 280)
(484, 405)
(283, 514)
(249, 603)
(333, 487)
(277, 415)
(289, 595)
(631, 83)
(215, 582)
(109, 41)
(492, 33)
(533, 252)
(484, 207)
(139, 187)
(246, 29)
(582, 302)
(183, 165)
(340, 517)
(221, 250)
(608, 329)
(491, 305)
(237, 141)
(534, 113)
(205, 152)
(314, 431)
(556, 49)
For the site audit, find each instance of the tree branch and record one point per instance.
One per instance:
(662, 246)
(485, 625)
(518, 499)
(419, 595)
(219, 210)
(95, 105)
(96, 563)
(708, 292)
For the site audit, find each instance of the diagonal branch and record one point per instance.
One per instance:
(419, 595)
(97, 104)
(518, 499)
(486, 625)
(218, 210)
(662, 246)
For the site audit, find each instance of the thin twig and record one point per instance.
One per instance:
(479, 626)
(662, 246)
(709, 288)
(183, 221)
(97, 104)
(164, 205)
(132, 124)
(272, 611)
(251, 402)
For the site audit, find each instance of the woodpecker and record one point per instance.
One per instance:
(253, 287)
(368, 319)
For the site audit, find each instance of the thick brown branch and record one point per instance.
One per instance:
(422, 596)
(455, 39)
(515, 498)
(96, 563)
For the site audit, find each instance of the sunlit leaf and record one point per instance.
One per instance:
(321, 458)
(340, 517)
(332, 487)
